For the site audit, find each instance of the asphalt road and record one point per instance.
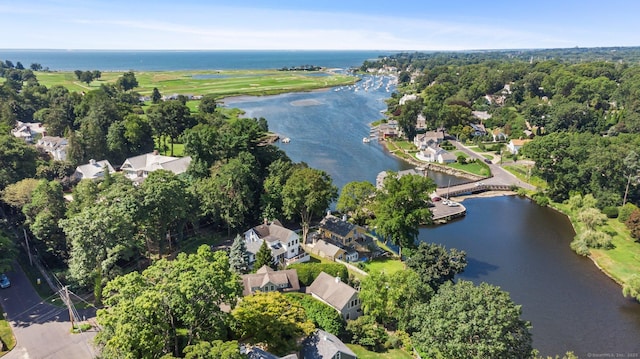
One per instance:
(42, 330)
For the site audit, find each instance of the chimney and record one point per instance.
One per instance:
(338, 279)
(92, 162)
(344, 218)
(328, 213)
(266, 221)
(155, 152)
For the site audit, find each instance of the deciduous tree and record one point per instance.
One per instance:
(273, 320)
(307, 193)
(467, 321)
(435, 265)
(354, 199)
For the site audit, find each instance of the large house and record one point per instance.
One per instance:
(92, 170)
(514, 146)
(382, 175)
(436, 154)
(283, 242)
(323, 345)
(388, 129)
(268, 280)
(55, 146)
(339, 230)
(139, 167)
(429, 138)
(27, 130)
(337, 294)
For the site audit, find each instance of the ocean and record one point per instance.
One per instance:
(165, 60)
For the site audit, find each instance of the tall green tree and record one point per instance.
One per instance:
(169, 306)
(307, 193)
(167, 206)
(264, 257)
(17, 160)
(43, 213)
(127, 81)
(8, 252)
(467, 321)
(238, 256)
(216, 349)
(435, 265)
(170, 118)
(273, 320)
(401, 206)
(155, 96)
(355, 198)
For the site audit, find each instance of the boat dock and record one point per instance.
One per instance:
(443, 212)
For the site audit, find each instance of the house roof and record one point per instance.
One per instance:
(327, 248)
(335, 225)
(94, 169)
(274, 234)
(324, 345)
(331, 290)
(266, 275)
(519, 142)
(52, 142)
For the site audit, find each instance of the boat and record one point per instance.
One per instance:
(366, 140)
(286, 140)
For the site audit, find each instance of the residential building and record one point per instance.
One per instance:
(92, 170)
(27, 130)
(55, 146)
(436, 154)
(478, 129)
(339, 230)
(268, 280)
(337, 294)
(324, 345)
(139, 167)
(283, 242)
(407, 97)
(514, 146)
(388, 129)
(382, 175)
(327, 250)
(498, 134)
(429, 138)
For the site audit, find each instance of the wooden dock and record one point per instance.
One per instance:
(443, 213)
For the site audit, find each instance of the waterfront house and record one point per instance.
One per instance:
(382, 175)
(92, 170)
(324, 345)
(388, 129)
(339, 230)
(55, 146)
(514, 146)
(268, 280)
(337, 294)
(283, 243)
(436, 154)
(429, 138)
(138, 168)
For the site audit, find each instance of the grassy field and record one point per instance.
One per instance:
(522, 173)
(363, 353)
(219, 83)
(474, 167)
(6, 335)
(388, 265)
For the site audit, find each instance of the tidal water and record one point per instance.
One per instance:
(524, 249)
(326, 129)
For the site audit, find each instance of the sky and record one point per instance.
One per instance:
(317, 24)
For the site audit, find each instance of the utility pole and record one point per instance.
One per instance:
(26, 240)
(68, 303)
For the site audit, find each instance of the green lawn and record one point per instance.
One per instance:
(388, 265)
(474, 167)
(363, 353)
(523, 173)
(217, 82)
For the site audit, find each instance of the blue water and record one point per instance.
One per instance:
(66, 60)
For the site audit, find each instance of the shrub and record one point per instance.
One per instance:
(610, 212)
(366, 332)
(580, 247)
(625, 211)
(596, 239)
(633, 223)
(322, 315)
(540, 199)
(307, 272)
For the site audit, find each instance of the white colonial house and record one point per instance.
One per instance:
(55, 146)
(429, 138)
(514, 146)
(435, 154)
(92, 170)
(283, 242)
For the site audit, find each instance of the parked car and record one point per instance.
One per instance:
(486, 160)
(4, 281)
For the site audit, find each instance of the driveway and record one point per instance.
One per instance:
(42, 330)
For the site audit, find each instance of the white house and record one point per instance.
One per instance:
(27, 130)
(514, 146)
(407, 97)
(429, 138)
(92, 170)
(283, 242)
(435, 154)
(55, 146)
(139, 167)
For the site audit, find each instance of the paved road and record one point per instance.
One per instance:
(42, 330)
(500, 175)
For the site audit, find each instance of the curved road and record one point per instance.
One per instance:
(42, 330)
(500, 175)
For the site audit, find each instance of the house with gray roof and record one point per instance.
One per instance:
(327, 250)
(283, 243)
(138, 167)
(337, 294)
(92, 170)
(324, 345)
(55, 146)
(268, 280)
(339, 230)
